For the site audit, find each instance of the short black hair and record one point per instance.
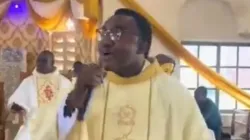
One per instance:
(162, 59)
(48, 54)
(77, 65)
(143, 25)
(202, 90)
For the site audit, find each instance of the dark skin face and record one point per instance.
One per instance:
(121, 55)
(77, 69)
(45, 63)
(200, 95)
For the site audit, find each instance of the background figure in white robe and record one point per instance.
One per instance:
(37, 91)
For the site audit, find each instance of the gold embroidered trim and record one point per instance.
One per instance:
(105, 111)
(149, 108)
(150, 71)
(168, 68)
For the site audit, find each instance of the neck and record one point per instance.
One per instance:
(47, 71)
(131, 70)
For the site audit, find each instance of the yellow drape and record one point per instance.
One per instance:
(45, 1)
(175, 47)
(88, 28)
(80, 1)
(92, 10)
(168, 68)
(57, 23)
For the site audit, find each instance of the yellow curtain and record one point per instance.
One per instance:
(45, 0)
(80, 1)
(92, 10)
(57, 23)
(88, 28)
(175, 47)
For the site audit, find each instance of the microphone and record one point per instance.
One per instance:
(82, 110)
(69, 110)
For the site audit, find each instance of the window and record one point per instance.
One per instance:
(64, 48)
(229, 60)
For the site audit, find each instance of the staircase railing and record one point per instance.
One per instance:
(175, 47)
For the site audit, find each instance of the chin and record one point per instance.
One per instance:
(108, 67)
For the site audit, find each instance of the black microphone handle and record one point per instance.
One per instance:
(82, 110)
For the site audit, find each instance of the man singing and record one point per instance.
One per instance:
(136, 100)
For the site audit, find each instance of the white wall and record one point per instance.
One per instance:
(208, 20)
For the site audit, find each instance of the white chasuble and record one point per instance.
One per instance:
(38, 94)
(150, 106)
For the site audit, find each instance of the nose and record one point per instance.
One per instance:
(106, 43)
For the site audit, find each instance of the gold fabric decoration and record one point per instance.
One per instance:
(80, 1)
(93, 11)
(168, 68)
(88, 28)
(57, 23)
(45, 1)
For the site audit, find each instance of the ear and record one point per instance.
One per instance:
(142, 47)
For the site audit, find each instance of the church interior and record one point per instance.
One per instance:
(208, 39)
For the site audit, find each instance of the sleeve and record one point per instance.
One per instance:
(186, 110)
(20, 96)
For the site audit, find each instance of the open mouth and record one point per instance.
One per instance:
(106, 53)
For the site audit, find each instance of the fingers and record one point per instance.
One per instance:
(77, 98)
(90, 77)
(67, 111)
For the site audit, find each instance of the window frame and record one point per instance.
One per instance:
(218, 66)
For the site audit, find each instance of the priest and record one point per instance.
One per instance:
(136, 100)
(40, 91)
